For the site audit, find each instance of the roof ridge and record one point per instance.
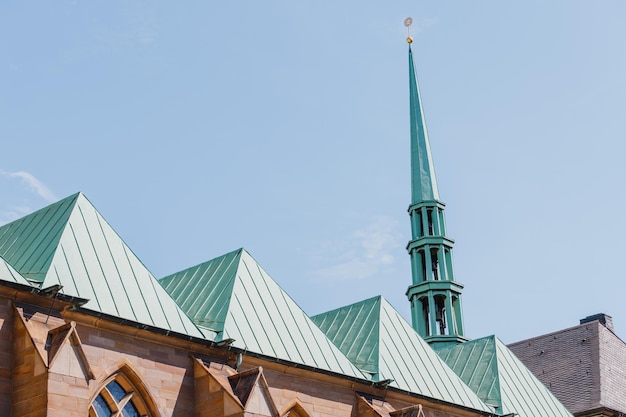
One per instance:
(496, 366)
(240, 250)
(256, 311)
(183, 284)
(349, 305)
(70, 243)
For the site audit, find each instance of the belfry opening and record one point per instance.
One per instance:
(434, 295)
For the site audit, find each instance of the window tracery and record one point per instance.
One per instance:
(118, 398)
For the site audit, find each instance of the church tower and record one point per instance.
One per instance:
(434, 295)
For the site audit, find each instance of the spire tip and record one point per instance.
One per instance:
(407, 22)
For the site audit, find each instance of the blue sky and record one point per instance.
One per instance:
(282, 127)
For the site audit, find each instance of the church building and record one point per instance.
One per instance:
(87, 330)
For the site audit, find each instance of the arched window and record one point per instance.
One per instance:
(118, 398)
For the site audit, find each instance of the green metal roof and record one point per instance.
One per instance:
(69, 243)
(423, 180)
(500, 379)
(29, 243)
(204, 291)
(7, 273)
(378, 340)
(234, 297)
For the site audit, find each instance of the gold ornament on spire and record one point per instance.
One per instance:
(407, 22)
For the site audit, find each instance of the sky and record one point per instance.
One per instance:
(283, 127)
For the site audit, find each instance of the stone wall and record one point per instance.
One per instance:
(166, 371)
(612, 363)
(30, 379)
(55, 363)
(6, 356)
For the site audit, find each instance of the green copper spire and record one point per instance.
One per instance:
(434, 295)
(423, 180)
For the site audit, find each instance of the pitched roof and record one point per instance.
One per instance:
(69, 243)
(501, 379)
(378, 340)
(8, 273)
(584, 365)
(233, 296)
(29, 243)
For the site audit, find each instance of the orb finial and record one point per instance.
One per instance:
(407, 22)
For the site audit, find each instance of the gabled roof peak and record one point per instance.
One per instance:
(69, 243)
(235, 297)
(374, 336)
(500, 379)
(372, 301)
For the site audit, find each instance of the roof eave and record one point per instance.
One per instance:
(43, 292)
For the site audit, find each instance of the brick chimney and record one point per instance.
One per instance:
(604, 319)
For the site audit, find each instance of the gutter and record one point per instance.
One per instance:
(77, 303)
(50, 292)
(218, 345)
(360, 381)
(143, 326)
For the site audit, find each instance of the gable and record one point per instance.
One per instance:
(213, 391)
(29, 243)
(69, 360)
(370, 406)
(475, 362)
(354, 329)
(252, 390)
(260, 403)
(70, 244)
(255, 312)
(493, 371)
(213, 279)
(404, 360)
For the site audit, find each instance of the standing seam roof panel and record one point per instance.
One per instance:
(261, 317)
(531, 394)
(510, 383)
(111, 268)
(214, 280)
(30, 257)
(29, 243)
(91, 261)
(348, 332)
(262, 323)
(402, 355)
(8, 273)
(445, 384)
(221, 291)
(296, 335)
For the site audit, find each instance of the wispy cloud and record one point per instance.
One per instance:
(33, 183)
(364, 253)
(21, 188)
